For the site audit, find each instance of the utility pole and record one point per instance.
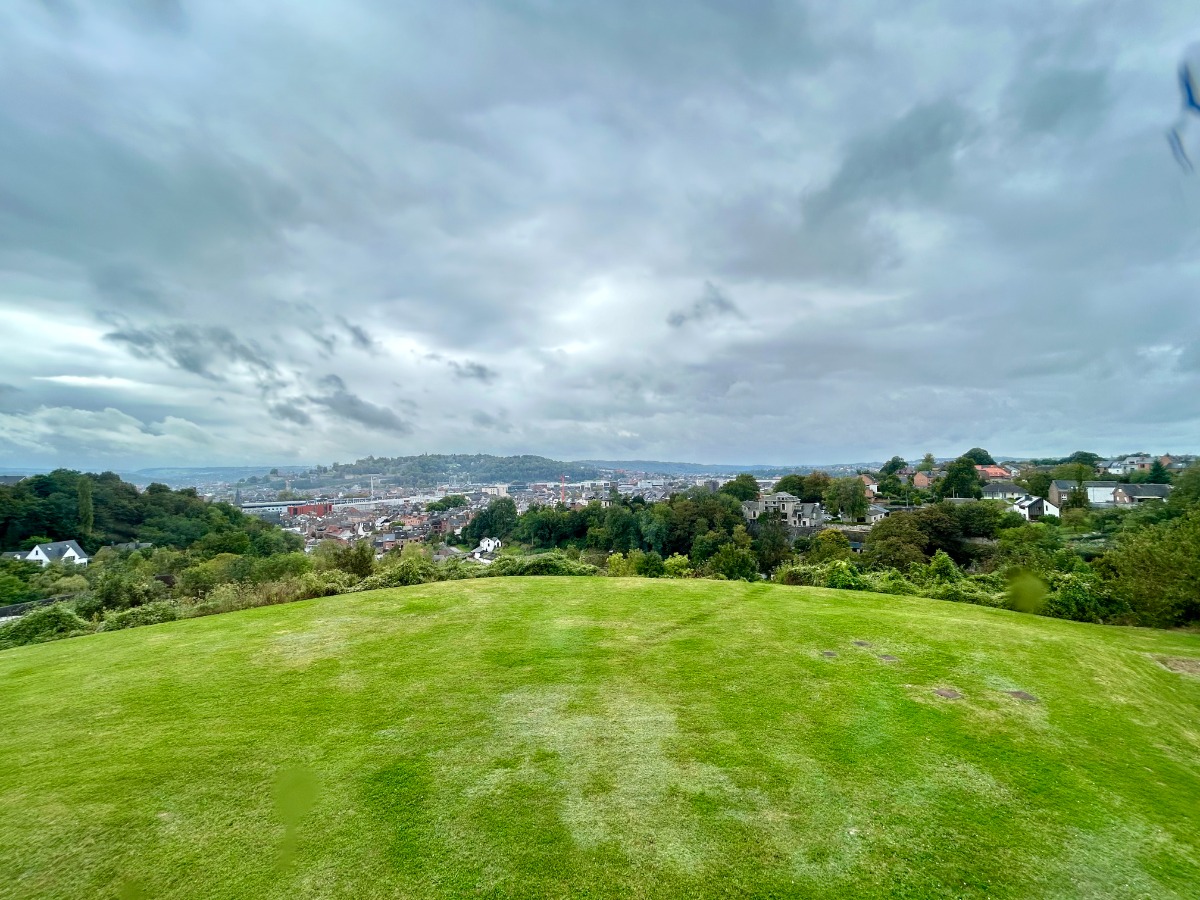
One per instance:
(562, 489)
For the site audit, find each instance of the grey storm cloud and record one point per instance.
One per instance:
(343, 403)
(712, 304)
(201, 351)
(682, 229)
(474, 371)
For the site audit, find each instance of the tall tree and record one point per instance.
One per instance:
(1158, 473)
(743, 487)
(892, 466)
(961, 479)
(927, 463)
(980, 456)
(87, 508)
(847, 497)
(772, 541)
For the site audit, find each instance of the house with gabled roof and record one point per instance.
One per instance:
(58, 551)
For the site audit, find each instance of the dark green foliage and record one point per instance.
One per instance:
(733, 562)
(892, 466)
(1037, 483)
(809, 488)
(772, 542)
(829, 544)
(847, 497)
(1158, 473)
(960, 480)
(1084, 598)
(450, 501)
(1085, 457)
(979, 457)
(357, 559)
(498, 520)
(47, 623)
(542, 564)
(743, 487)
(1156, 571)
(650, 565)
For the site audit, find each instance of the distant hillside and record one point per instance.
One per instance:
(657, 467)
(427, 469)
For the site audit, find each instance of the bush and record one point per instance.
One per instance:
(677, 566)
(47, 623)
(542, 564)
(734, 563)
(651, 565)
(890, 581)
(135, 616)
(843, 575)
(1084, 599)
(964, 591)
(805, 576)
(408, 570)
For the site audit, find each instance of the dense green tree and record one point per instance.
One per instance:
(828, 545)
(86, 506)
(897, 542)
(892, 466)
(960, 480)
(735, 563)
(980, 457)
(1085, 457)
(1187, 490)
(497, 520)
(1037, 483)
(847, 497)
(772, 542)
(1158, 473)
(927, 463)
(450, 501)
(1156, 570)
(743, 487)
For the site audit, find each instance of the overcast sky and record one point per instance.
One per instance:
(743, 231)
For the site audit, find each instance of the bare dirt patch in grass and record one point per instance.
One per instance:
(948, 693)
(887, 657)
(862, 643)
(1185, 665)
(828, 653)
(1022, 695)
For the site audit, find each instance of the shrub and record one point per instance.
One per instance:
(651, 565)
(677, 566)
(890, 581)
(843, 575)
(406, 571)
(542, 564)
(135, 616)
(807, 576)
(734, 563)
(1084, 599)
(47, 623)
(619, 566)
(963, 591)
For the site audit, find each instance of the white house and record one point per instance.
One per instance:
(1033, 508)
(795, 512)
(59, 551)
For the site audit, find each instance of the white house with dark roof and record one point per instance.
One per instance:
(59, 551)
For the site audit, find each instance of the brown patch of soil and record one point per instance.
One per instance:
(1021, 695)
(828, 653)
(1183, 664)
(886, 657)
(948, 693)
(862, 643)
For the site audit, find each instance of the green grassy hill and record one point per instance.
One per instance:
(602, 737)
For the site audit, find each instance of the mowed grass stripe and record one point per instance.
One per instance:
(603, 737)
